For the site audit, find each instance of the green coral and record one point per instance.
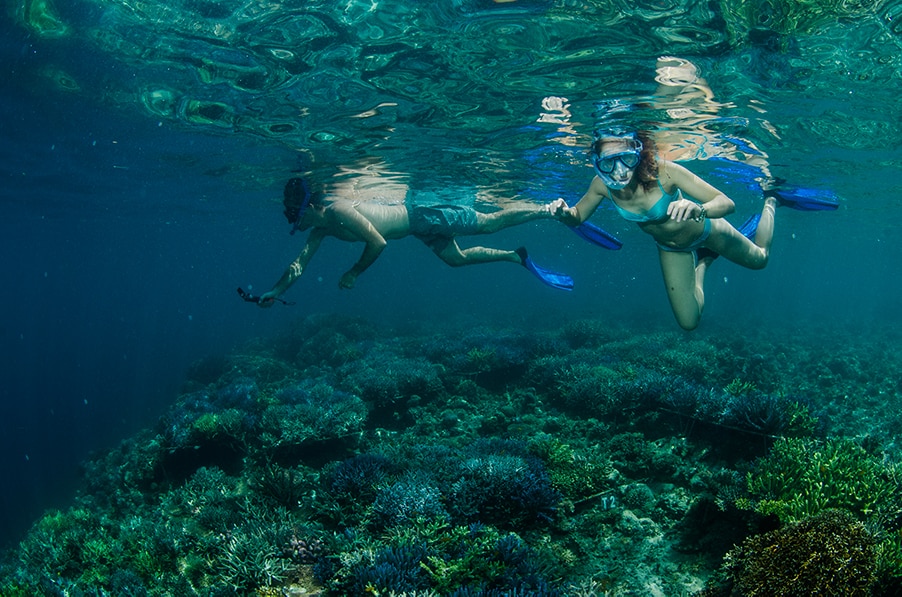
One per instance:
(574, 475)
(474, 558)
(889, 558)
(225, 424)
(737, 387)
(802, 477)
(830, 554)
(589, 388)
(801, 422)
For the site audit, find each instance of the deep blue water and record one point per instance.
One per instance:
(143, 154)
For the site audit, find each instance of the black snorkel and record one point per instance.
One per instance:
(293, 187)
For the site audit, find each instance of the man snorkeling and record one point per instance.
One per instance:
(374, 224)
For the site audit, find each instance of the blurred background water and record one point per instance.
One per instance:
(145, 144)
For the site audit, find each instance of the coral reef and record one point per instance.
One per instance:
(343, 459)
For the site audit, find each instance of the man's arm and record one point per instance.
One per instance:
(353, 222)
(295, 269)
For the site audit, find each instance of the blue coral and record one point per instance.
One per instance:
(359, 476)
(405, 501)
(506, 490)
(393, 569)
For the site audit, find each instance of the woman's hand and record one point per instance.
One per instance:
(558, 209)
(684, 209)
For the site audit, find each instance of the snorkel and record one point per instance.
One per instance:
(297, 199)
(615, 158)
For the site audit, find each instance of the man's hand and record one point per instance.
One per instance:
(557, 208)
(267, 300)
(348, 280)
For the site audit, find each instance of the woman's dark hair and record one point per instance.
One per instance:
(647, 170)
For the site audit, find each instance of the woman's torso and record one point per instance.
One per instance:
(648, 208)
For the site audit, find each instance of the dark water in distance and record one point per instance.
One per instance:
(144, 147)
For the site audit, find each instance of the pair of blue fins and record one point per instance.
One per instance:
(797, 198)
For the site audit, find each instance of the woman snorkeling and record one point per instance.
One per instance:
(682, 212)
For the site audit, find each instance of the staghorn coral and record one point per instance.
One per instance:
(501, 489)
(284, 486)
(802, 477)
(404, 501)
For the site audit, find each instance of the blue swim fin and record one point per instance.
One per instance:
(597, 236)
(554, 279)
(803, 199)
(748, 229)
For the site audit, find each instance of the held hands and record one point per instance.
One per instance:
(557, 208)
(683, 210)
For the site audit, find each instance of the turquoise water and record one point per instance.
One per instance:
(145, 145)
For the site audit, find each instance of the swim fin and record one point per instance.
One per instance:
(554, 279)
(597, 236)
(803, 199)
(748, 229)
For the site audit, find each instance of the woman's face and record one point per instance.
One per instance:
(616, 160)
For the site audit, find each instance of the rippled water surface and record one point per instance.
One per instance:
(501, 94)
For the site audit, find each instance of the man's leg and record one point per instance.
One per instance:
(499, 220)
(454, 256)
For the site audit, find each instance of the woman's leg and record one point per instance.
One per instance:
(685, 286)
(727, 241)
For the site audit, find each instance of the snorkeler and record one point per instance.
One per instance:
(682, 212)
(375, 223)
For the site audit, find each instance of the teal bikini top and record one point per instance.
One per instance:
(658, 211)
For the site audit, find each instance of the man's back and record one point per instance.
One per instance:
(390, 221)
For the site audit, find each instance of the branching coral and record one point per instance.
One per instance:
(802, 477)
(412, 497)
(830, 554)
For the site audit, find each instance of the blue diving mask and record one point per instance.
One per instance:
(616, 163)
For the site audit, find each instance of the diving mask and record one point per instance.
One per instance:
(616, 162)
